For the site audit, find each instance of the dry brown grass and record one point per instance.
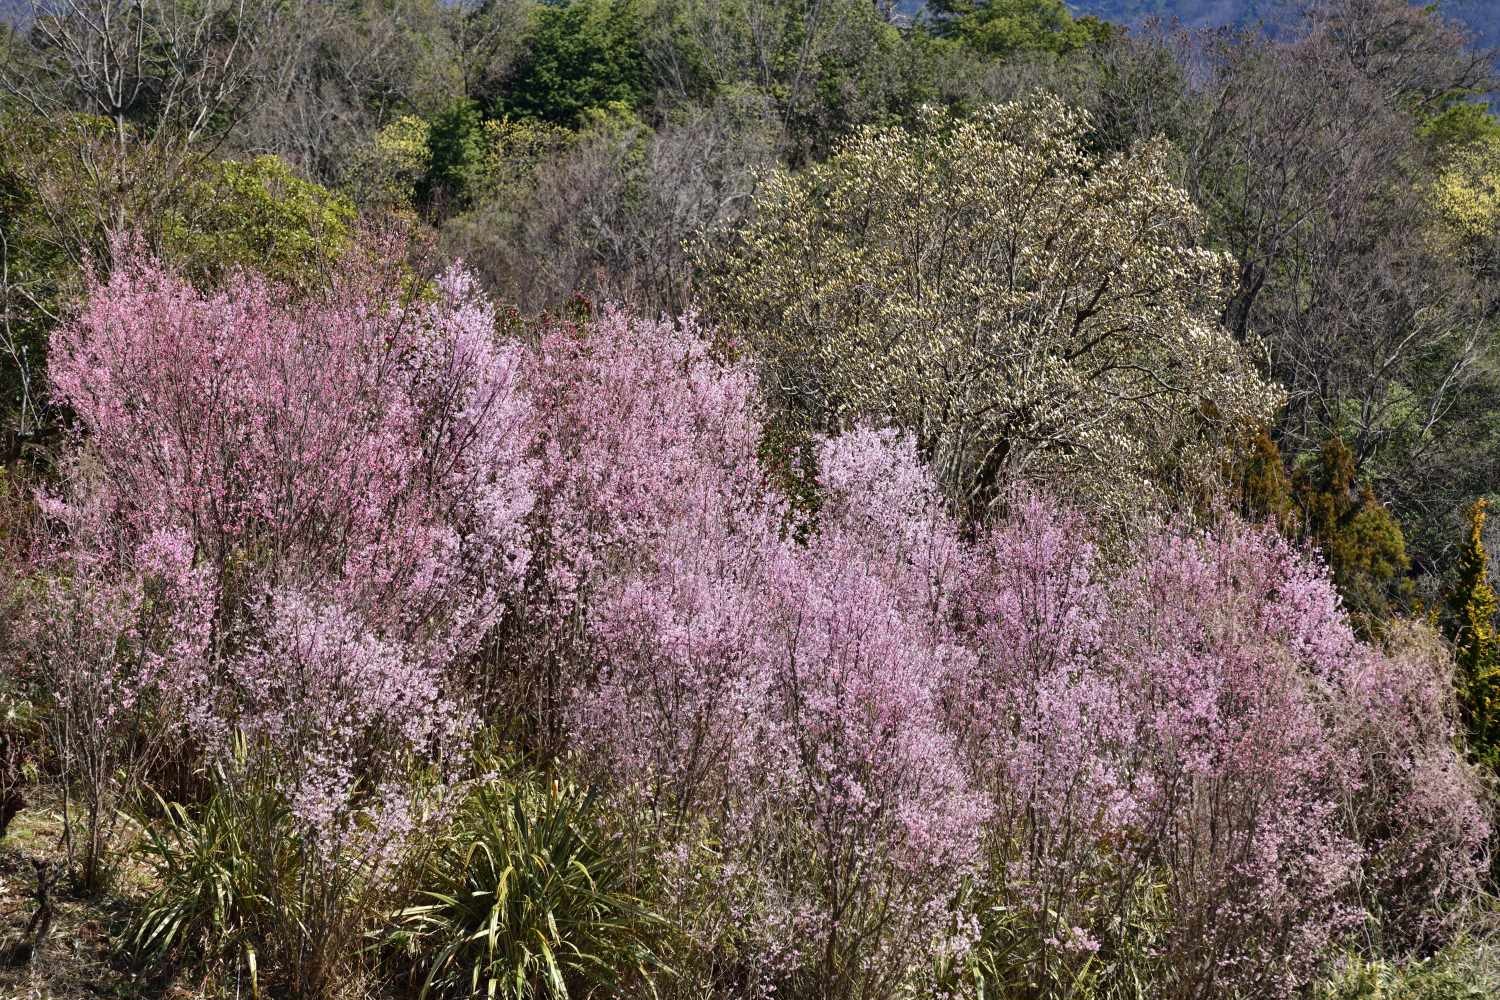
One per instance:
(79, 960)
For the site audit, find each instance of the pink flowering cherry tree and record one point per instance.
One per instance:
(325, 493)
(350, 524)
(865, 718)
(782, 693)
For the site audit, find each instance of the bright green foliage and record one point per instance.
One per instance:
(257, 215)
(1361, 539)
(527, 900)
(470, 159)
(514, 149)
(1460, 124)
(1007, 27)
(474, 164)
(1473, 606)
(582, 54)
(397, 161)
(1466, 195)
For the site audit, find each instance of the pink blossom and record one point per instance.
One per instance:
(325, 496)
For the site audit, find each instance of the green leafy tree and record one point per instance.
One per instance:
(1007, 27)
(1361, 540)
(1326, 503)
(581, 54)
(455, 155)
(1466, 197)
(1461, 123)
(389, 169)
(1473, 607)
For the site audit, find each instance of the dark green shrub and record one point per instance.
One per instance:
(455, 155)
(1473, 610)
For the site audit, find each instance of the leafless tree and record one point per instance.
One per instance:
(782, 49)
(165, 80)
(486, 37)
(611, 214)
(1308, 160)
(331, 76)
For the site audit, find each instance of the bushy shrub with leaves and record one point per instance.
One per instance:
(1465, 196)
(1472, 614)
(218, 869)
(257, 214)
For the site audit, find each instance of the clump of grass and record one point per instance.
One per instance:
(526, 898)
(1465, 970)
(214, 871)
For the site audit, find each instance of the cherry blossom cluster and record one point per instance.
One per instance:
(323, 507)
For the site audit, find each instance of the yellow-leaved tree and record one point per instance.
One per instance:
(1466, 194)
(1026, 308)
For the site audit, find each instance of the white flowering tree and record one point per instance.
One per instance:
(1025, 307)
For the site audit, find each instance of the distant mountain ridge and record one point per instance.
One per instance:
(1481, 16)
